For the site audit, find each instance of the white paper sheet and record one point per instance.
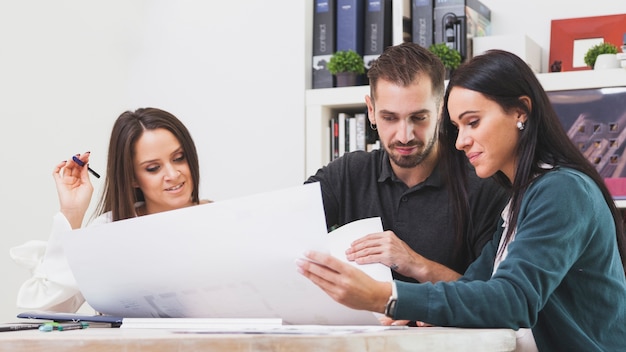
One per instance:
(228, 259)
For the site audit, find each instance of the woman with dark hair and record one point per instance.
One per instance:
(554, 270)
(152, 167)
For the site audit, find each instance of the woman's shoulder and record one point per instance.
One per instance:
(567, 185)
(563, 177)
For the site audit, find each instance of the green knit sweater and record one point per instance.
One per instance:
(562, 276)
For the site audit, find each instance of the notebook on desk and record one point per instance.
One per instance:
(228, 259)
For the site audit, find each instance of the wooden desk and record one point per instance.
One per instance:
(154, 340)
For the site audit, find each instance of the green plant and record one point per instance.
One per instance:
(451, 58)
(594, 51)
(346, 61)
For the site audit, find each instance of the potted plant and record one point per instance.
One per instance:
(346, 65)
(451, 58)
(606, 52)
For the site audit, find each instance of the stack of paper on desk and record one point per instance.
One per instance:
(228, 259)
(247, 326)
(201, 324)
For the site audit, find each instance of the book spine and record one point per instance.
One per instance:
(341, 117)
(335, 139)
(324, 25)
(378, 29)
(360, 126)
(422, 16)
(331, 139)
(351, 138)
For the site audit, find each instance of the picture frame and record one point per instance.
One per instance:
(571, 38)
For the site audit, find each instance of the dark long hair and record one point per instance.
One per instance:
(503, 78)
(119, 196)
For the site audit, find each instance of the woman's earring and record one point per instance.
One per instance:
(520, 125)
(373, 126)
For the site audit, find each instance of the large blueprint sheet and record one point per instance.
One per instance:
(228, 259)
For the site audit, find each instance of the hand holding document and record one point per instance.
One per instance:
(228, 259)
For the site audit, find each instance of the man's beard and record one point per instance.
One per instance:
(410, 161)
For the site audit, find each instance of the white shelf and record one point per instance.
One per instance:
(615, 77)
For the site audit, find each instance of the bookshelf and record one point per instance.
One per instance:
(322, 104)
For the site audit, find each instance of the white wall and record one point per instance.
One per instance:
(231, 70)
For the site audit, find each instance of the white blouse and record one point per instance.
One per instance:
(52, 286)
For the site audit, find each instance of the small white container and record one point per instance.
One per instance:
(606, 61)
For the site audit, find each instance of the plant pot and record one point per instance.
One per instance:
(604, 61)
(346, 79)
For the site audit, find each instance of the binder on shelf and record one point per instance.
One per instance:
(350, 22)
(324, 36)
(349, 30)
(457, 22)
(378, 29)
(422, 22)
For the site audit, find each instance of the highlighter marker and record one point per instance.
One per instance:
(46, 327)
(81, 163)
(72, 326)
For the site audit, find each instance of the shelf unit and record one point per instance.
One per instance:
(322, 104)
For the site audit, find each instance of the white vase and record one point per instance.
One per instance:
(604, 61)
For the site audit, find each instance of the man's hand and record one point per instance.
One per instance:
(386, 248)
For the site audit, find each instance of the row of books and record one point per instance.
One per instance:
(365, 26)
(351, 132)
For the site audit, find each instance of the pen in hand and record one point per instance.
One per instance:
(81, 163)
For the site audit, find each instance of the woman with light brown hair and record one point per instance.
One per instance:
(152, 167)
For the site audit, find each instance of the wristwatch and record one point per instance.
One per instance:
(390, 308)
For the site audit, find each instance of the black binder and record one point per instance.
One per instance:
(422, 20)
(378, 29)
(324, 36)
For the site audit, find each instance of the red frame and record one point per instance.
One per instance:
(564, 32)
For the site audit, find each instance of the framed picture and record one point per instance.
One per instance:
(571, 38)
